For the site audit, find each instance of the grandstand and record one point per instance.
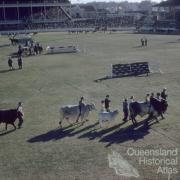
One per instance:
(32, 14)
(165, 19)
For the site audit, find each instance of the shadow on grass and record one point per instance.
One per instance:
(8, 70)
(93, 134)
(60, 133)
(132, 132)
(4, 132)
(109, 78)
(5, 45)
(122, 76)
(173, 42)
(137, 46)
(112, 135)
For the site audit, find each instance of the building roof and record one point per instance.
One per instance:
(168, 3)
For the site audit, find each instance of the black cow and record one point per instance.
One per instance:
(155, 109)
(10, 116)
(159, 106)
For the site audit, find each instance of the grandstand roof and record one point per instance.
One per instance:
(29, 1)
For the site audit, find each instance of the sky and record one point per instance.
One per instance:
(84, 1)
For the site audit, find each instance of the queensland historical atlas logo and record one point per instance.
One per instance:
(165, 161)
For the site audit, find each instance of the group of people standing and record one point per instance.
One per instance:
(34, 49)
(19, 61)
(148, 99)
(144, 41)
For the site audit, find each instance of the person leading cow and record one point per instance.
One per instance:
(81, 106)
(106, 103)
(125, 109)
(20, 114)
(164, 94)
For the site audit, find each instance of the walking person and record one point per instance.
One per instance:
(20, 62)
(81, 106)
(164, 94)
(10, 64)
(20, 114)
(106, 103)
(125, 109)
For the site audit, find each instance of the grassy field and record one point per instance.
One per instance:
(43, 151)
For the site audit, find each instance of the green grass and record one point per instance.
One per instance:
(50, 81)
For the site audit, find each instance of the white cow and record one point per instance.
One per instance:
(72, 112)
(107, 116)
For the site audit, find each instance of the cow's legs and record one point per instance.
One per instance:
(162, 117)
(79, 115)
(67, 118)
(100, 122)
(14, 125)
(150, 116)
(60, 122)
(133, 120)
(61, 119)
(82, 117)
(155, 117)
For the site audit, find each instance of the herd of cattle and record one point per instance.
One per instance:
(156, 109)
(72, 111)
